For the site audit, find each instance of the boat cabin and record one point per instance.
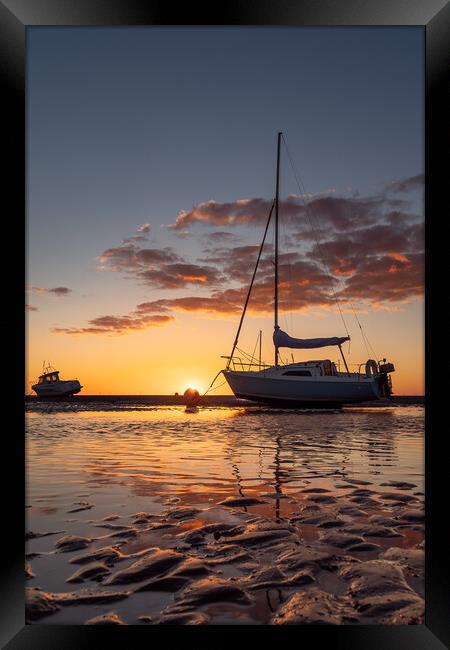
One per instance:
(49, 377)
(322, 368)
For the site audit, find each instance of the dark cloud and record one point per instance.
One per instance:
(236, 263)
(379, 263)
(302, 284)
(130, 257)
(380, 279)
(217, 303)
(407, 184)
(176, 276)
(334, 211)
(117, 324)
(219, 237)
(30, 307)
(347, 254)
(340, 213)
(372, 248)
(183, 234)
(242, 211)
(158, 268)
(135, 238)
(57, 291)
(391, 278)
(141, 234)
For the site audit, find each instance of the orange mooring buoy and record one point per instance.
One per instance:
(191, 397)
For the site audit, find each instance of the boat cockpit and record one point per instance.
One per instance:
(49, 377)
(322, 368)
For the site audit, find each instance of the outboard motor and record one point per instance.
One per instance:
(385, 381)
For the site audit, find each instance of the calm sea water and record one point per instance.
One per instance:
(85, 464)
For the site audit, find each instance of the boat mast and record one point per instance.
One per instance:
(260, 345)
(277, 194)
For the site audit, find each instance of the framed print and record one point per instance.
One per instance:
(227, 293)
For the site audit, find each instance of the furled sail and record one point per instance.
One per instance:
(283, 340)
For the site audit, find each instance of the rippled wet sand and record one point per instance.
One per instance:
(139, 515)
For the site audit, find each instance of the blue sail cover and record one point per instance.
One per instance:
(283, 340)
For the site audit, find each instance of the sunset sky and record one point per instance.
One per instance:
(151, 170)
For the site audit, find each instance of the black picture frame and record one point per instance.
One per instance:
(18, 15)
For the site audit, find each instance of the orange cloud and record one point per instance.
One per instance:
(57, 291)
(373, 249)
(116, 324)
(195, 278)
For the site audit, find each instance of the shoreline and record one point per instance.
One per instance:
(207, 400)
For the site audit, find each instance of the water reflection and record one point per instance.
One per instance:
(88, 468)
(218, 452)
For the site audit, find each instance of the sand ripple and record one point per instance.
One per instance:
(206, 518)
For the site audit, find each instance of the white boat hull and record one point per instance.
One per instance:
(57, 389)
(271, 387)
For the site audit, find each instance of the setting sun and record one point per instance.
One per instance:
(194, 385)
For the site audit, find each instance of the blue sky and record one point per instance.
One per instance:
(127, 126)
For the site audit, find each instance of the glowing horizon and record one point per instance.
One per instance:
(142, 362)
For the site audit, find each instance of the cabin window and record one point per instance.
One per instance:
(48, 379)
(298, 373)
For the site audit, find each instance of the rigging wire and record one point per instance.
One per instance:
(319, 247)
(215, 388)
(210, 387)
(289, 299)
(251, 285)
(245, 354)
(309, 210)
(254, 350)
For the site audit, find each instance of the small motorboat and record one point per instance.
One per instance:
(50, 385)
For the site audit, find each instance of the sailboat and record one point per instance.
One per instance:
(308, 384)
